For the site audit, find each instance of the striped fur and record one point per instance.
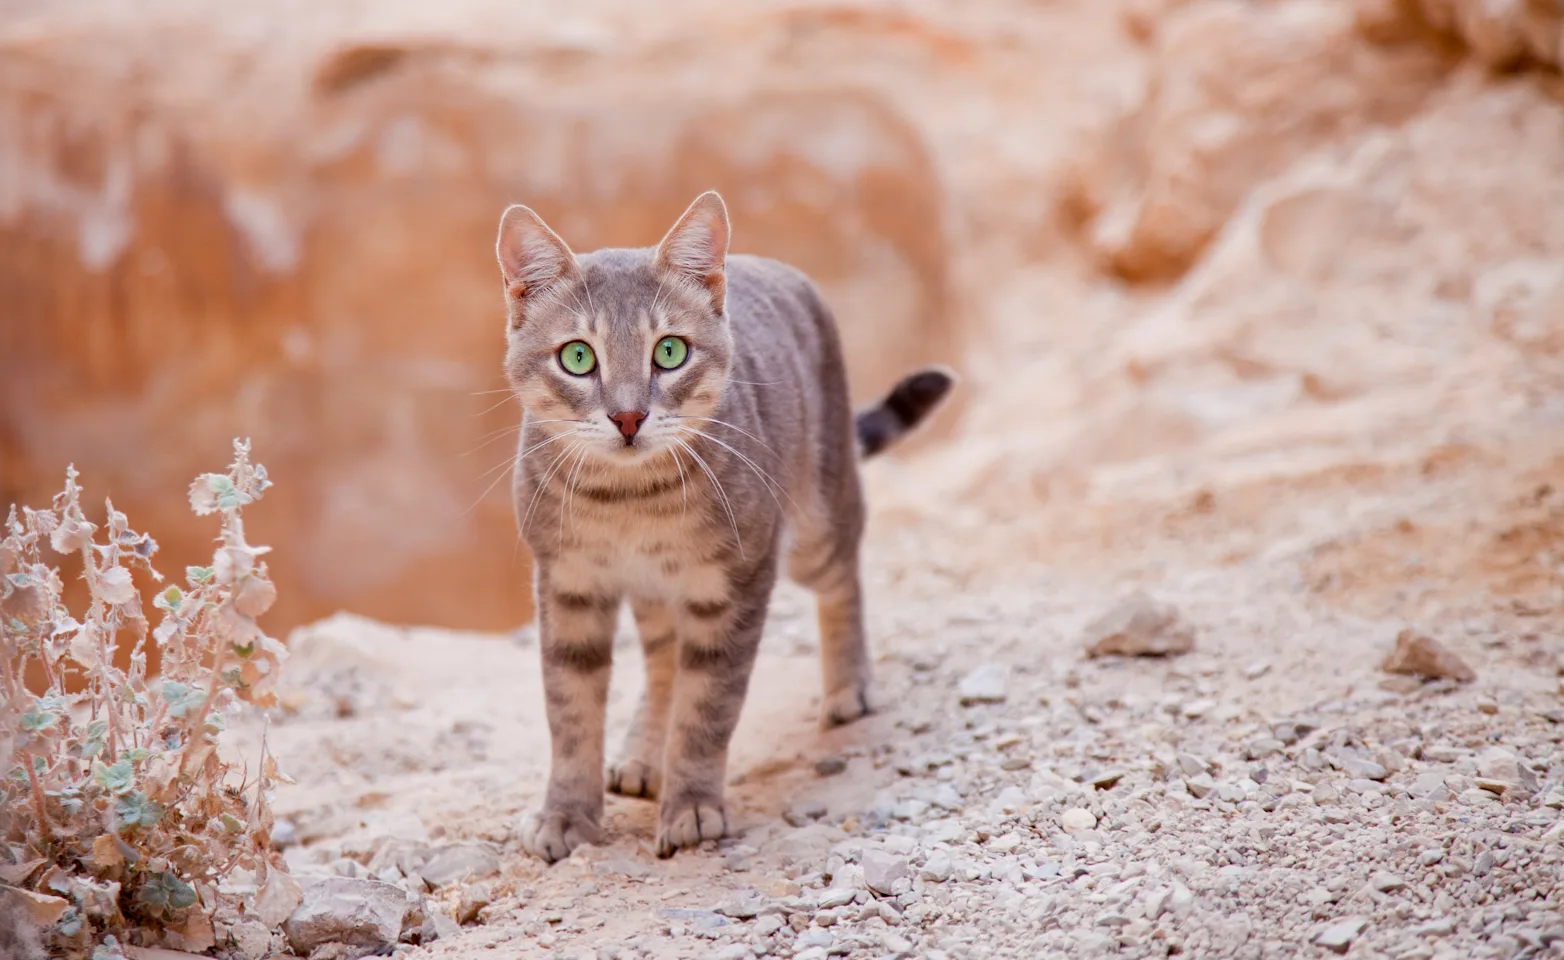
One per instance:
(744, 467)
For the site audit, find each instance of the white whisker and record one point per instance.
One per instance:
(772, 486)
(511, 463)
(568, 502)
(538, 490)
(728, 506)
(490, 410)
(731, 426)
(683, 486)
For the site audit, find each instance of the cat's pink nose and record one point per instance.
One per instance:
(629, 422)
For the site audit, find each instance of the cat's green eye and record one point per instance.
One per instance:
(577, 358)
(670, 352)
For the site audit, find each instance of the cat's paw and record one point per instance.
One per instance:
(633, 778)
(844, 706)
(551, 835)
(688, 824)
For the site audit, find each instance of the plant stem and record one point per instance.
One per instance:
(37, 791)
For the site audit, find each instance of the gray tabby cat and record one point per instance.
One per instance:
(686, 429)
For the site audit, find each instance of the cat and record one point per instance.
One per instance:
(686, 431)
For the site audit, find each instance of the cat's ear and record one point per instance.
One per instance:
(697, 247)
(532, 257)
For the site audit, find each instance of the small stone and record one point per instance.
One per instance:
(782, 889)
(1191, 765)
(459, 862)
(985, 684)
(1496, 787)
(837, 897)
(1076, 819)
(1104, 779)
(1181, 901)
(1157, 902)
(881, 871)
(1195, 709)
(1263, 747)
(1425, 657)
(251, 938)
(1501, 765)
(830, 766)
(439, 925)
(1483, 865)
(745, 906)
(733, 951)
(896, 944)
(1139, 626)
(475, 896)
(815, 938)
(359, 913)
(1487, 707)
(803, 812)
(1229, 792)
(1005, 844)
(695, 919)
(938, 867)
(1291, 731)
(767, 925)
(1429, 786)
(1360, 769)
(1386, 882)
(1338, 937)
(1201, 786)
(1012, 799)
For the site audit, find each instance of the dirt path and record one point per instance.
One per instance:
(1260, 792)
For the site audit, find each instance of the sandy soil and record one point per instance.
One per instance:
(438, 737)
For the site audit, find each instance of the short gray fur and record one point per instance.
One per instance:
(743, 465)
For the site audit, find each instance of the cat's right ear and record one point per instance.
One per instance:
(533, 259)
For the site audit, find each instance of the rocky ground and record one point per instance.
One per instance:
(1257, 306)
(1273, 791)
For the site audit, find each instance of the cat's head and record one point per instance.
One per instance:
(622, 350)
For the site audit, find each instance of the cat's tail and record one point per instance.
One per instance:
(908, 404)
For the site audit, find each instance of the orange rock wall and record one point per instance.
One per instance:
(308, 260)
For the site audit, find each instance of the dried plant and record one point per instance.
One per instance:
(118, 819)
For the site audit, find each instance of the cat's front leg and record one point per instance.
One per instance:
(718, 641)
(639, 770)
(576, 637)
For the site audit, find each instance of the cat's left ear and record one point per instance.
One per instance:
(696, 249)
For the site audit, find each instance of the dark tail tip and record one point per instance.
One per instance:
(908, 404)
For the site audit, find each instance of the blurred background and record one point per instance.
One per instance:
(1184, 252)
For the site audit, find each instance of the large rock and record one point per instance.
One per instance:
(1237, 90)
(366, 915)
(287, 232)
(1501, 34)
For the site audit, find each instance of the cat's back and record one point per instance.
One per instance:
(773, 304)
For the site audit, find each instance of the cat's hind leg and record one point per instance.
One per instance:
(825, 561)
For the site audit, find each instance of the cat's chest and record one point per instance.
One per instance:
(634, 552)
